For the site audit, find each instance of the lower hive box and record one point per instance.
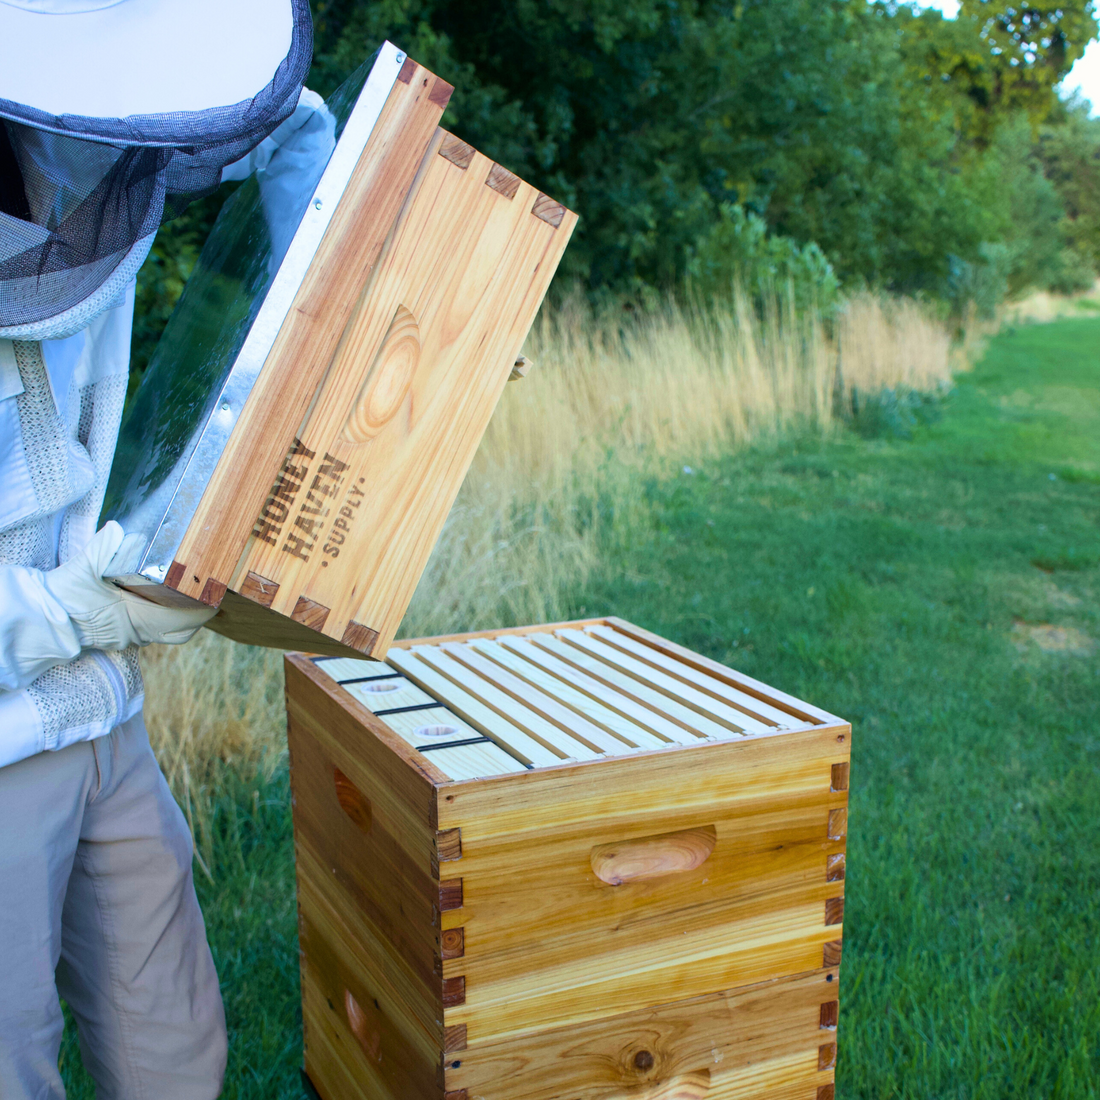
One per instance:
(565, 862)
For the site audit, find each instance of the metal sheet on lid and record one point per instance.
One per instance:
(223, 328)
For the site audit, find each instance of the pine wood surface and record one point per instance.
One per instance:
(562, 742)
(684, 900)
(429, 729)
(761, 1041)
(351, 448)
(476, 712)
(470, 265)
(390, 694)
(630, 732)
(796, 707)
(548, 943)
(641, 690)
(498, 632)
(368, 1029)
(307, 340)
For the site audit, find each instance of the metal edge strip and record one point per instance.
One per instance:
(154, 564)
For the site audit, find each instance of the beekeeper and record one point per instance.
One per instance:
(113, 114)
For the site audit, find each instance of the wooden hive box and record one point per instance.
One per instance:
(572, 862)
(313, 406)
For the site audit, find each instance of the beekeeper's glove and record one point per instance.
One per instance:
(107, 617)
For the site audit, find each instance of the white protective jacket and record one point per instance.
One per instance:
(61, 404)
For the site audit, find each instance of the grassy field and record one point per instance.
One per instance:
(933, 576)
(941, 592)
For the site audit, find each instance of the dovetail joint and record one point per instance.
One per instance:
(309, 613)
(454, 1038)
(450, 895)
(503, 181)
(549, 210)
(213, 592)
(448, 844)
(454, 991)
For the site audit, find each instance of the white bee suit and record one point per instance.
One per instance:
(97, 899)
(61, 402)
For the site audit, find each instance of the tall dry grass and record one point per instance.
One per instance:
(1042, 306)
(606, 402)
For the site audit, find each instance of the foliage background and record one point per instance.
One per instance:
(832, 142)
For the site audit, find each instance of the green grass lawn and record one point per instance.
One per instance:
(940, 591)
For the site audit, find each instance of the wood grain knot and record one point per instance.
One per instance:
(644, 1061)
(653, 856)
(454, 943)
(364, 1027)
(352, 801)
(388, 380)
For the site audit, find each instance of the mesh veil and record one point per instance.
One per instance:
(77, 193)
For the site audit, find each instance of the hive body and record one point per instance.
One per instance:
(565, 863)
(307, 499)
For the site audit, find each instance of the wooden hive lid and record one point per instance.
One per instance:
(297, 442)
(488, 704)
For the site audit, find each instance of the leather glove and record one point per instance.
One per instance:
(107, 617)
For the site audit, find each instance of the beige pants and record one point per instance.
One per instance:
(97, 903)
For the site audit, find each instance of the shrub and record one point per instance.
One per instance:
(738, 251)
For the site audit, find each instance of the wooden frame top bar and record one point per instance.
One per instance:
(527, 698)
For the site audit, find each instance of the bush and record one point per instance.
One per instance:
(1072, 273)
(891, 412)
(738, 252)
(982, 282)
